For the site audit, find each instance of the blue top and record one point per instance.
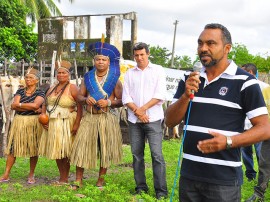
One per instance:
(220, 105)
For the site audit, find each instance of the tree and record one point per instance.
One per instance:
(159, 55)
(263, 64)
(39, 9)
(241, 55)
(17, 41)
(182, 62)
(162, 56)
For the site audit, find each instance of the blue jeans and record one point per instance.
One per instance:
(194, 191)
(138, 133)
(247, 155)
(264, 169)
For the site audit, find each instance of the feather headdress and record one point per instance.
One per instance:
(105, 49)
(66, 65)
(32, 70)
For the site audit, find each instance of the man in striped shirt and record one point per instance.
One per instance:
(224, 95)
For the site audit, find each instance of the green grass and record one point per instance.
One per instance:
(119, 181)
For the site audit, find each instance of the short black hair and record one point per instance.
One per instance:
(226, 35)
(250, 67)
(140, 46)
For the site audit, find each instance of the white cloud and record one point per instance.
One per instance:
(247, 20)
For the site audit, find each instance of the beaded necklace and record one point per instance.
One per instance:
(55, 90)
(103, 79)
(57, 99)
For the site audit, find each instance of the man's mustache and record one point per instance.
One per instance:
(205, 54)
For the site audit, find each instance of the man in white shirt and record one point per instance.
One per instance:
(143, 93)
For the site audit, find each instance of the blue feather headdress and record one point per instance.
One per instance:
(94, 88)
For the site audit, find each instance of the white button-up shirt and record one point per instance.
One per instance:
(140, 86)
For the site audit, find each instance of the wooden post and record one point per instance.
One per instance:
(2, 94)
(52, 68)
(4, 115)
(5, 135)
(76, 72)
(41, 72)
(22, 74)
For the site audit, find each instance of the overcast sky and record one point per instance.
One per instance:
(247, 20)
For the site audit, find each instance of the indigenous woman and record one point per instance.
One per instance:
(25, 129)
(64, 117)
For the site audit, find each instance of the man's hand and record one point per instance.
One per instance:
(192, 83)
(215, 144)
(90, 101)
(141, 114)
(144, 118)
(140, 111)
(102, 103)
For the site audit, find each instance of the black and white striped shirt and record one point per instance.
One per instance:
(220, 105)
(28, 99)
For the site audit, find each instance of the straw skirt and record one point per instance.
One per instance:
(99, 136)
(24, 136)
(56, 142)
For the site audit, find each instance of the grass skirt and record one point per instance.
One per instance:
(24, 136)
(56, 142)
(86, 149)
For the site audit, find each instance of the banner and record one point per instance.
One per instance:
(173, 76)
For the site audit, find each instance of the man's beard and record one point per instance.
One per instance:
(212, 63)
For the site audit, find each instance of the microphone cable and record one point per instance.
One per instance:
(181, 149)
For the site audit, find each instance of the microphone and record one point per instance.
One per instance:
(196, 68)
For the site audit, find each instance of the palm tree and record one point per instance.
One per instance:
(182, 62)
(39, 9)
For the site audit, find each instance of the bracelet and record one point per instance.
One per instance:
(20, 105)
(109, 102)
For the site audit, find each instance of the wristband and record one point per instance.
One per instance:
(109, 102)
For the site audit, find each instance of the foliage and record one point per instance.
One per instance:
(39, 9)
(17, 41)
(162, 56)
(262, 63)
(241, 55)
(182, 62)
(159, 55)
(119, 180)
